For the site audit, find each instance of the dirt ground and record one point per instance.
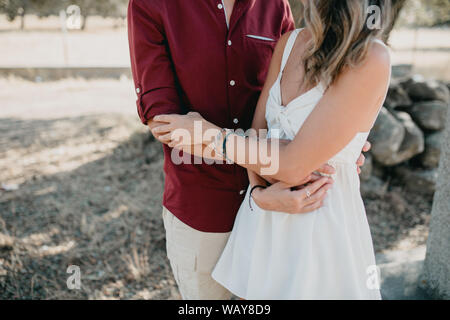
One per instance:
(89, 185)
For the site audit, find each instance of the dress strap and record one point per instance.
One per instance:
(288, 48)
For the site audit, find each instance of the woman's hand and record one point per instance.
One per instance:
(280, 197)
(185, 130)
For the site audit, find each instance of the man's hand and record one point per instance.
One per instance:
(160, 136)
(187, 125)
(280, 197)
(329, 170)
(326, 169)
(362, 158)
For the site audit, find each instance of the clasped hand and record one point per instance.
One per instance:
(280, 197)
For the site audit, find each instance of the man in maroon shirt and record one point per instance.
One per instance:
(209, 56)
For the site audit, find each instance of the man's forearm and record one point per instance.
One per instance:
(202, 151)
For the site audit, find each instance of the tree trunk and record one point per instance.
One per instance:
(22, 21)
(436, 276)
(22, 12)
(83, 22)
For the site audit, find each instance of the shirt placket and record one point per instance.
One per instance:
(232, 81)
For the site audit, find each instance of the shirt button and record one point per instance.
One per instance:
(235, 121)
(138, 90)
(232, 83)
(220, 6)
(229, 42)
(241, 192)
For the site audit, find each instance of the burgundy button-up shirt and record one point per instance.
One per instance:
(185, 57)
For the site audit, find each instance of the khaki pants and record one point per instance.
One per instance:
(193, 255)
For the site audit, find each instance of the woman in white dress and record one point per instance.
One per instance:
(325, 87)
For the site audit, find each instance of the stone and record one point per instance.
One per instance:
(413, 142)
(420, 89)
(436, 275)
(366, 170)
(395, 138)
(401, 71)
(397, 97)
(378, 169)
(433, 143)
(6, 241)
(418, 180)
(386, 137)
(373, 187)
(430, 115)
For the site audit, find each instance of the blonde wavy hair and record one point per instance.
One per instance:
(341, 35)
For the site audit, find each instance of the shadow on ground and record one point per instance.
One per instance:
(103, 215)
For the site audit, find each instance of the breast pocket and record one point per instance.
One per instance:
(259, 51)
(261, 38)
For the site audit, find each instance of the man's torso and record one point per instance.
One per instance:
(220, 70)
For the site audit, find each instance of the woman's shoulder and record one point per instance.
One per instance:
(379, 55)
(376, 63)
(282, 43)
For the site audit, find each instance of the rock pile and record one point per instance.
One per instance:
(406, 138)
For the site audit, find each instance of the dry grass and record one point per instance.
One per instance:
(98, 207)
(89, 194)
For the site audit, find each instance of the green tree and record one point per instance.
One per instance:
(45, 8)
(14, 9)
(19, 8)
(103, 8)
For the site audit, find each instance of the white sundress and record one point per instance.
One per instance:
(325, 254)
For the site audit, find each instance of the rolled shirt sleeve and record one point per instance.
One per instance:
(152, 68)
